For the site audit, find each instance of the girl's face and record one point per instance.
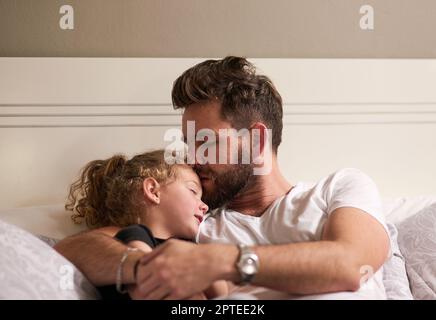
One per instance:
(181, 205)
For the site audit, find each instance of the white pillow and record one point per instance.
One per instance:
(31, 269)
(51, 221)
(395, 277)
(417, 241)
(399, 209)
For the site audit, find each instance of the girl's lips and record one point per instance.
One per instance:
(199, 218)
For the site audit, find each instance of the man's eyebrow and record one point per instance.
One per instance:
(214, 131)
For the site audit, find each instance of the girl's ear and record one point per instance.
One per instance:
(151, 190)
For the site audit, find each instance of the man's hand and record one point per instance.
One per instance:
(180, 269)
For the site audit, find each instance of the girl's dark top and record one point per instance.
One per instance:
(134, 232)
(138, 232)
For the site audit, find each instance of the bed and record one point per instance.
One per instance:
(31, 269)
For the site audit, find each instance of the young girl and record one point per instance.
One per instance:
(152, 200)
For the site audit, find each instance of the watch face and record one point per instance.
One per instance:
(249, 266)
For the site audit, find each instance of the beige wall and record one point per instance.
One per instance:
(206, 28)
(56, 114)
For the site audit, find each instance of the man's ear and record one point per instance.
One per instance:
(151, 190)
(258, 133)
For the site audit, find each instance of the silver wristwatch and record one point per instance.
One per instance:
(248, 264)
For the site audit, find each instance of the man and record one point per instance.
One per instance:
(284, 239)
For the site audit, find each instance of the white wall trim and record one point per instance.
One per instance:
(82, 115)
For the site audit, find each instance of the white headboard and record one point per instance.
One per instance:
(58, 113)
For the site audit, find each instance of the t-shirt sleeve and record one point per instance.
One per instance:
(136, 232)
(353, 188)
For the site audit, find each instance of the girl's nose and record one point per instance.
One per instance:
(203, 207)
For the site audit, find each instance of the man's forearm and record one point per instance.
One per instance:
(300, 268)
(98, 256)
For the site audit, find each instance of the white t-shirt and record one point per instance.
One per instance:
(300, 216)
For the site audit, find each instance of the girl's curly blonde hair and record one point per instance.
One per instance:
(110, 192)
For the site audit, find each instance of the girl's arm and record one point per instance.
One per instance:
(217, 289)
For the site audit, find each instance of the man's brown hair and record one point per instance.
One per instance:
(245, 97)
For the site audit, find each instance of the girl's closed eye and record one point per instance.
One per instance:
(194, 187)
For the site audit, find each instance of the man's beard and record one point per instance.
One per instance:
(227, 185)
